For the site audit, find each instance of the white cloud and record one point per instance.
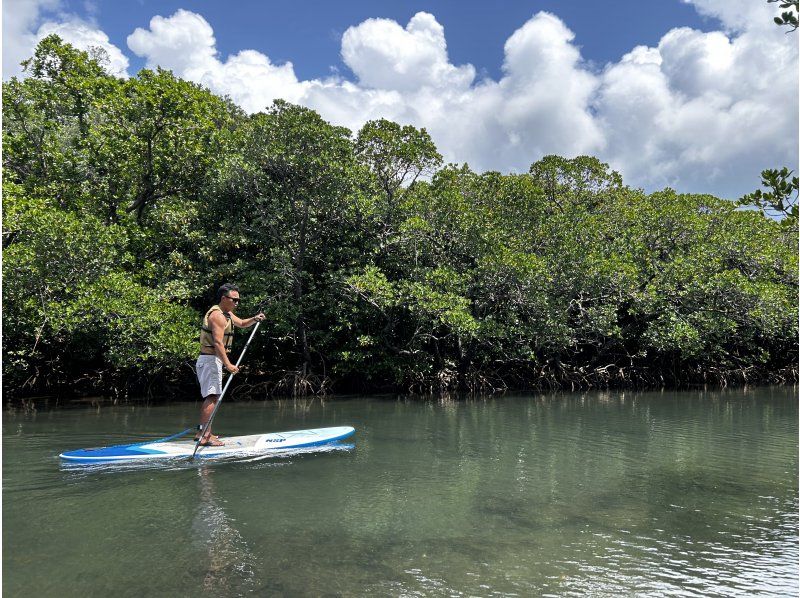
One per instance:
(547, 92)
(538, 107)
(700, 111)
(20, 18)
(383, 55)
(21, 35)
(185, 44)
(704, 112)
(184, 41)
(739, 15)
(404, 73)
(84, 36)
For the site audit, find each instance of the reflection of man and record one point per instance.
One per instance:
(231, 566)
(216, 340)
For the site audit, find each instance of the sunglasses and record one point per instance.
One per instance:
(234, 299)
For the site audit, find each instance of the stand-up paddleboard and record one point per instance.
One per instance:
(234, 445)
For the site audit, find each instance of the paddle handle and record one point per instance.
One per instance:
(225, 388)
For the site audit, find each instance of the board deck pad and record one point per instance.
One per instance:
(253, 444)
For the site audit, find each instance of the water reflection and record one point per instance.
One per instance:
(595, 494)
(79, 470)
(230, 566)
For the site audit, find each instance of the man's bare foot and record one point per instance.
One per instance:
(212, 441)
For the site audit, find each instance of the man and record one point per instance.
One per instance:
(216, 340)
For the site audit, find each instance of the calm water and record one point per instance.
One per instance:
(687, 494)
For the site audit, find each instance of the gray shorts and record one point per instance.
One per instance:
(209, 375)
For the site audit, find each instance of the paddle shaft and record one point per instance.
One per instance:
(224, 390)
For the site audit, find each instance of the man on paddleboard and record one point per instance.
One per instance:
(216, 340)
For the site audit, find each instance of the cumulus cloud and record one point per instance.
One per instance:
(546, 91)
(20, 20)
(383, 55)
(185, 44)
(739, 15)
(184, 41)
(86, 37)
(24, 26)
(404, 74)
(699, 111)
(704, 111)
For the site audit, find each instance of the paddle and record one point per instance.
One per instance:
(224, 390)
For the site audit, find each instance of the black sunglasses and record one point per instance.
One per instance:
(234, 299)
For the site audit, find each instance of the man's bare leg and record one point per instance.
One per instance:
(205, 414)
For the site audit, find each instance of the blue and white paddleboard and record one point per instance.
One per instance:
(255, 444)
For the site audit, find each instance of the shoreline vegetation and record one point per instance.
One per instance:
(126, 203)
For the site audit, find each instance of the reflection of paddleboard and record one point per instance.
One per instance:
(250, 445)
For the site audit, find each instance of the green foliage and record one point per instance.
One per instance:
(788, 17)
(127, 202)
(288, 203)
(781, 198)
(717, 285)
(173, 131)
(583, 181)
(71, 307)
(47, 119)
(396, 155)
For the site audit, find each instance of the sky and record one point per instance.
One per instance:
(697, 95)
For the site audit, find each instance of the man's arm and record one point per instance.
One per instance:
(239, 323)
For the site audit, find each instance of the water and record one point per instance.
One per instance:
(602, 494)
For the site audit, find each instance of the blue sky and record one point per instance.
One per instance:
(308, 34)
(697, 95)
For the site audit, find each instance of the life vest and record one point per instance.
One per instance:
(207, 339)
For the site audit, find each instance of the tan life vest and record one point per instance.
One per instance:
(207, 339)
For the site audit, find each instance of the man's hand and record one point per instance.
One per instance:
(259, 317)
(232, 368)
